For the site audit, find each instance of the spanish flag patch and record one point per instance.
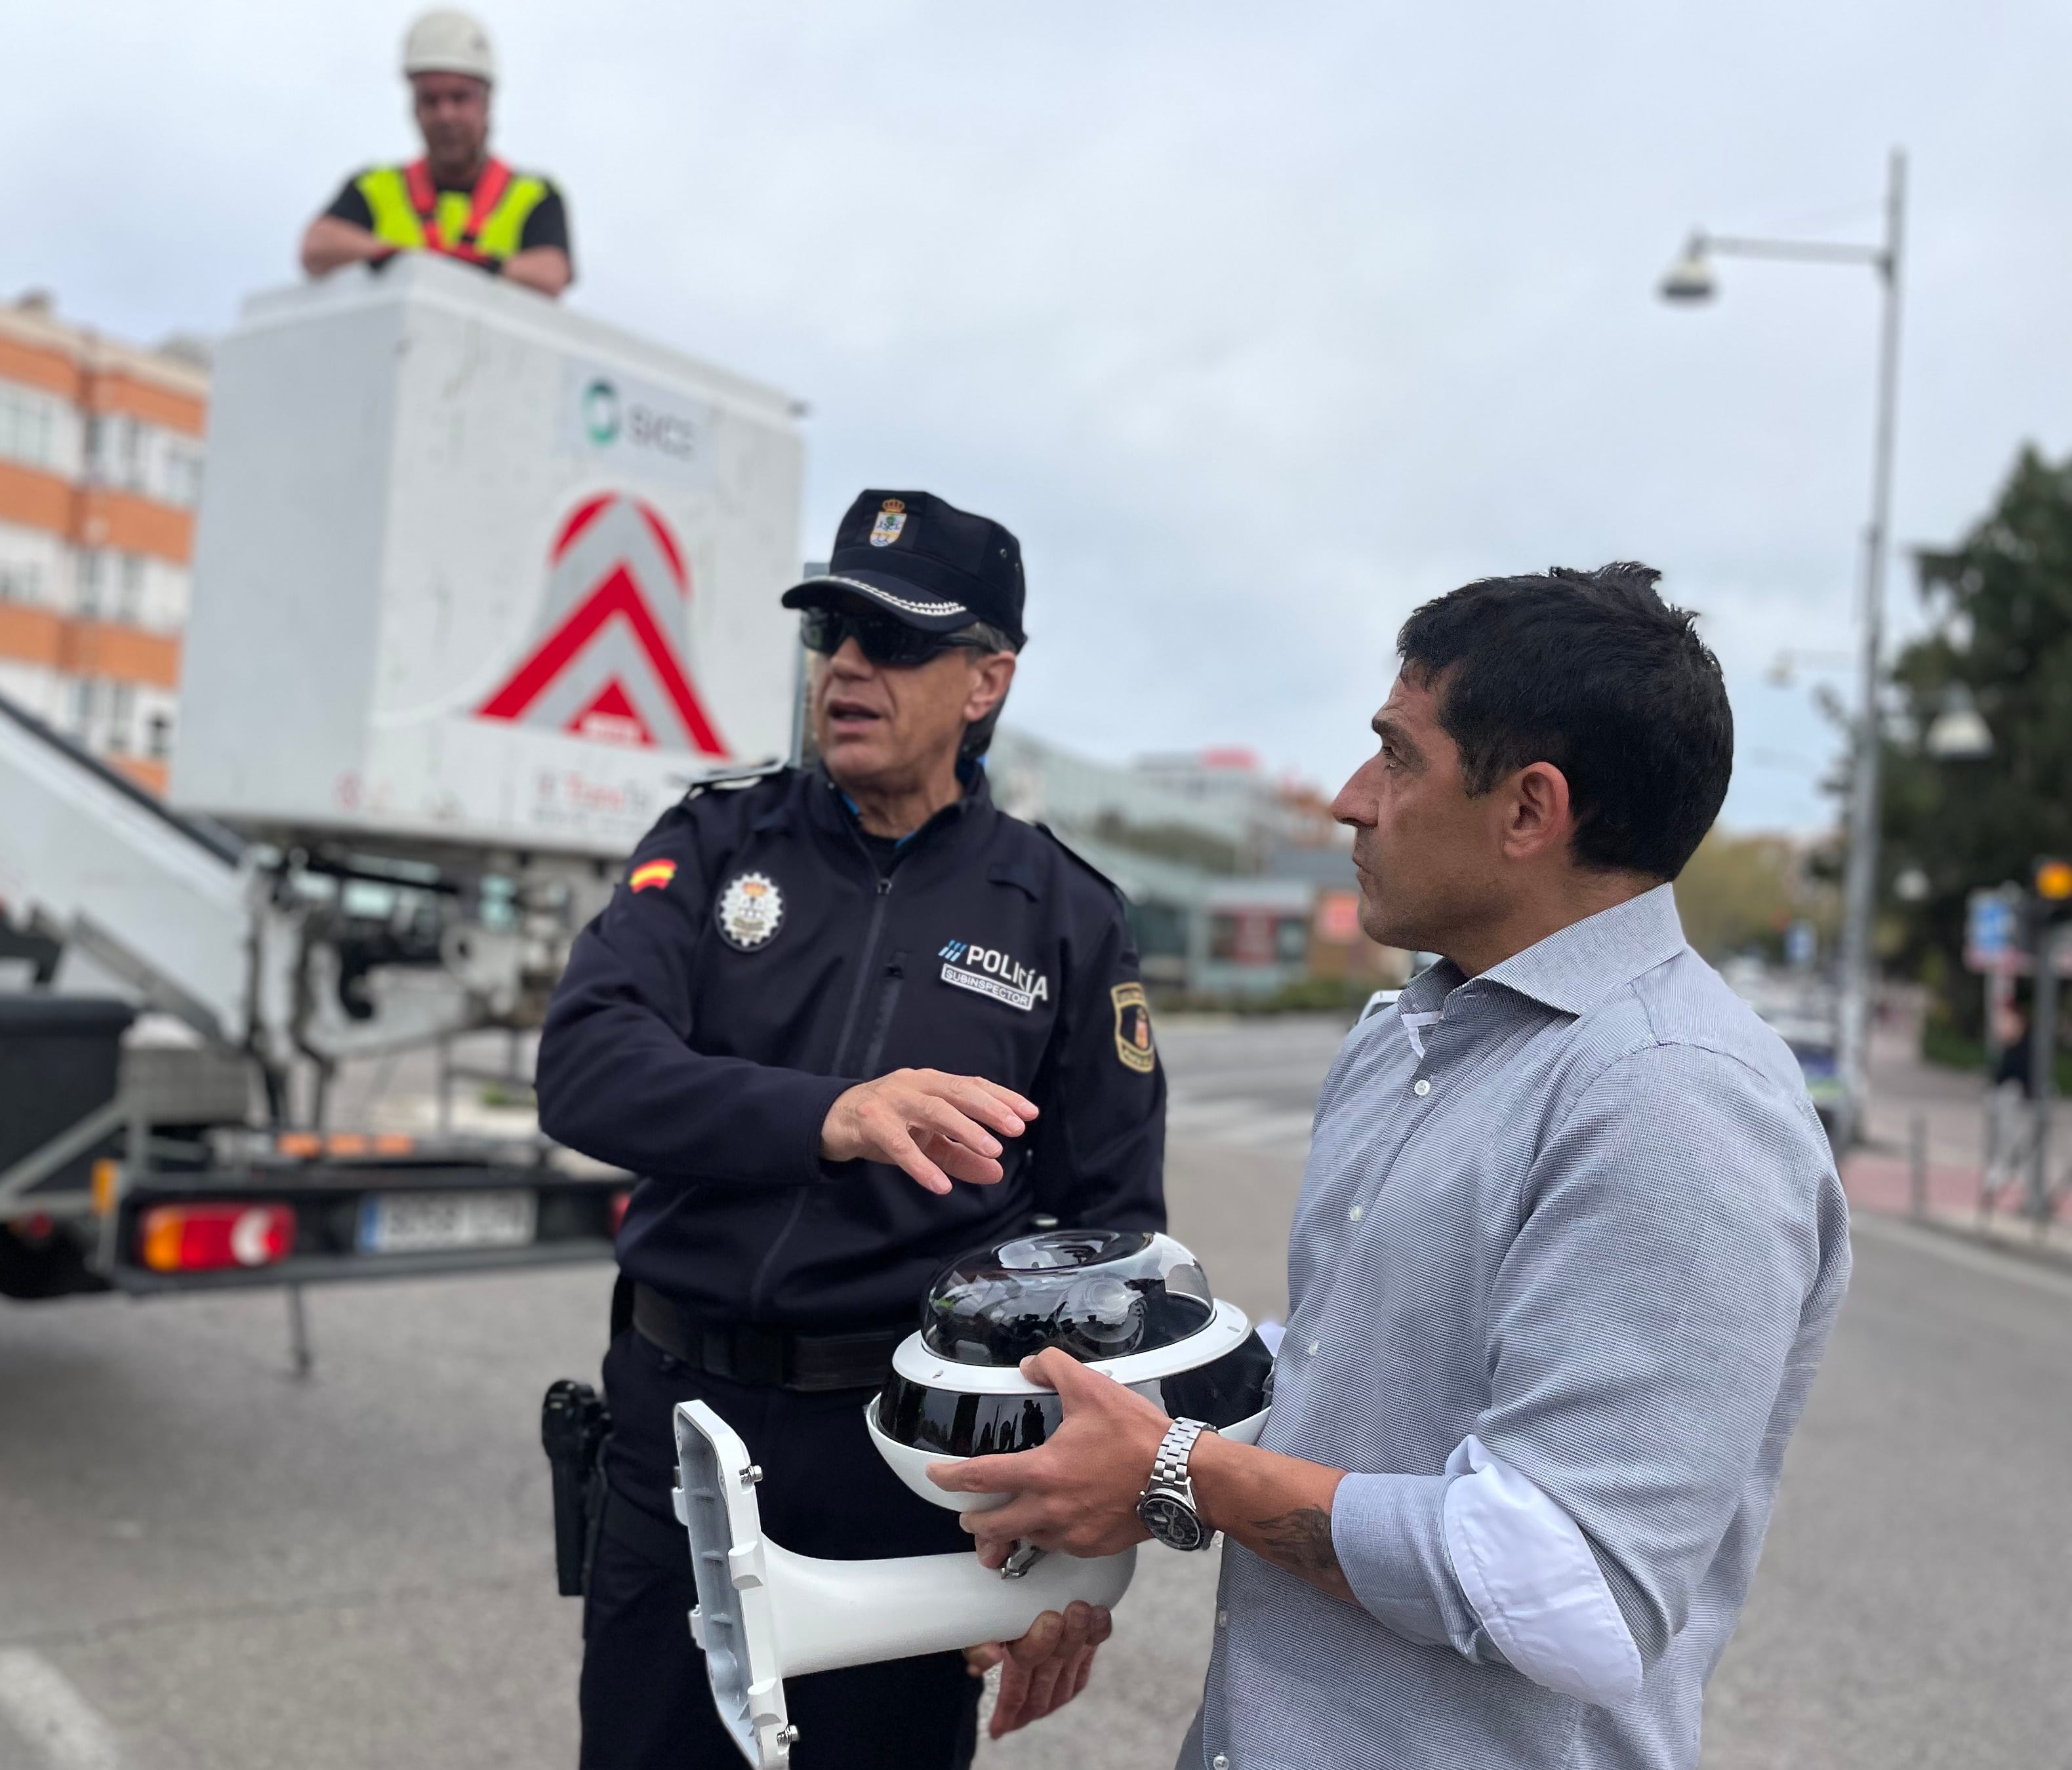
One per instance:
(652, 875)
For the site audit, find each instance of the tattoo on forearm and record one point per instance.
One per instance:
(1300, 1540)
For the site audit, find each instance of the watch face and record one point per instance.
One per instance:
(1171, 1520)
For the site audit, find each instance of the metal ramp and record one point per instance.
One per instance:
(90, 860)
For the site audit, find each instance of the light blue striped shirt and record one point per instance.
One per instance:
(1568, 1248)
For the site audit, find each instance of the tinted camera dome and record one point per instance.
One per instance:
(1101, 1295)
(1097, 1294)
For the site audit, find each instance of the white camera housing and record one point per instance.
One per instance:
(1133, 1304)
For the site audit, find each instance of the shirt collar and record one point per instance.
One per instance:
(972, 807)
(1575, 968)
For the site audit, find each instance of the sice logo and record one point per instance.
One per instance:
(600, 411)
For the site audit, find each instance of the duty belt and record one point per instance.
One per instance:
(777, 1358)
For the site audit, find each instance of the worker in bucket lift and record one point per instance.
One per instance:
(457, 200)
(845, 1022)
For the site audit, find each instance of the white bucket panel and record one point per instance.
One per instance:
(475, 569)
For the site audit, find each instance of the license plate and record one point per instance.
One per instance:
(424, 1222)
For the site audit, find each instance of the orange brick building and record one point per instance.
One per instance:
(100, 464)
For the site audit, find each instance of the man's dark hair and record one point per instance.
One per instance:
(1594, 672)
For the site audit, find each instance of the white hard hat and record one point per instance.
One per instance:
(446, 42)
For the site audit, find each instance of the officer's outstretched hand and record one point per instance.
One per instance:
(1047, 1668)
(938, 1127)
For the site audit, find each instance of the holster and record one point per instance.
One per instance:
(574, 1425)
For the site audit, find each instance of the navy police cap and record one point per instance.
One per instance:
(921, 561)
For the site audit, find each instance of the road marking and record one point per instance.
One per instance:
(45, 1707)
(2012, 1264)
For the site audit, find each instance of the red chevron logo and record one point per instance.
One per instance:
(610, 664)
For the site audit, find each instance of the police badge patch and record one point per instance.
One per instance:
(1132, 1029)
(892, 519)
(750, 910)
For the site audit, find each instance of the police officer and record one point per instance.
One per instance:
(845, 1022)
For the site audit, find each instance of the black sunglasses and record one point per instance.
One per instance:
(882, 639)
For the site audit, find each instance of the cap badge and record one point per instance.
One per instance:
(1132, 1029)
(892, 519)
(751, 909)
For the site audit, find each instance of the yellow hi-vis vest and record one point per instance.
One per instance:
(484, 225)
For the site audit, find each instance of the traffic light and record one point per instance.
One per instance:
(2052, 880)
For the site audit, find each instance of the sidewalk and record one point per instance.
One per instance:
(1948, 1106)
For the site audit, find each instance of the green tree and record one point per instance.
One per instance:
(2001, 602)
(1740, 893)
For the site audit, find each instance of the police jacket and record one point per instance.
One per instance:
(759, 960)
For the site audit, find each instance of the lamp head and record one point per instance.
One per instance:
(1690, 280)
(1959, 732)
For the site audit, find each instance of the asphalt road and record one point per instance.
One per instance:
(205, 1565)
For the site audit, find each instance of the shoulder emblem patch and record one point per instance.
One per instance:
(652, 875)
(1132, 1029)
(751, 909)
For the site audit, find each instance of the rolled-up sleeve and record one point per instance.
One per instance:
(1389, 1533)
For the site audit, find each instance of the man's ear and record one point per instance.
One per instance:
(1538, 816)
(991, 678)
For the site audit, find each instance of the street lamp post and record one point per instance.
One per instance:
(1690, 280)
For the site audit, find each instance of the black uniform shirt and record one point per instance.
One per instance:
(759, 960)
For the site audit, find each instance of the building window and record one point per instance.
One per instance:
(1258, 937)
(20, 583)
(25, 427)
(115, 448)
(130, 596)
(158, 736)
(182, 476)
(85, 704)
(1160, 929)
(93, 575)
(121, 714)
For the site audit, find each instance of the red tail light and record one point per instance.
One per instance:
(206, 1238)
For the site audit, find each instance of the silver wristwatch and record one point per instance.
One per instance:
(1165, 1508)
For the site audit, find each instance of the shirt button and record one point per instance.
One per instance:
(1315, 1346)
(1354, 1214)
(1219, 1762)
(1223, 1618)
(1421, 1086)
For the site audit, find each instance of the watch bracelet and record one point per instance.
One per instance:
(1169, 1468)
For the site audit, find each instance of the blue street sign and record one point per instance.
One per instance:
(1989, 929)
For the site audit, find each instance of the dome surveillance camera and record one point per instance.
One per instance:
(1131, 1305)
(1134, 1304)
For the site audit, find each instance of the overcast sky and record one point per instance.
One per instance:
(1258, 325)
